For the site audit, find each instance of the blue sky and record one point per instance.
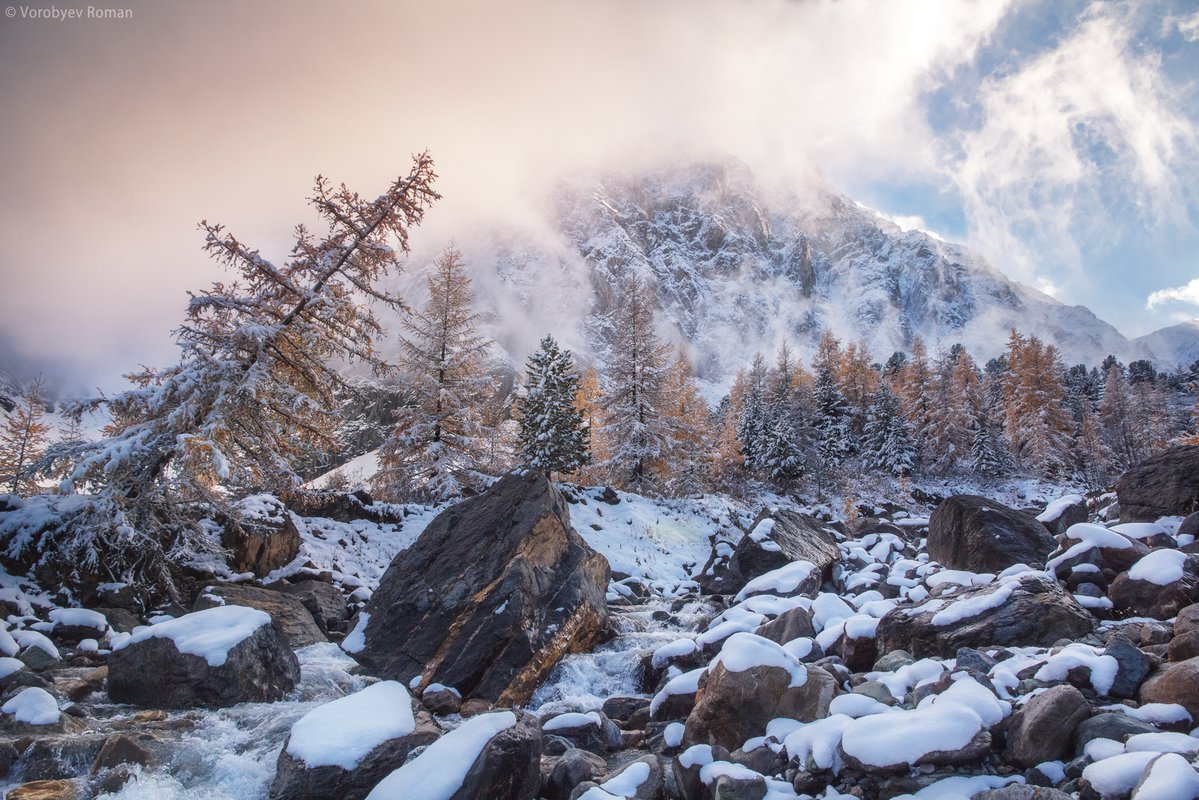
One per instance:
(1059, 138)
(1065, 150)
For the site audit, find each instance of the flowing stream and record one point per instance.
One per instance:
(230, 754)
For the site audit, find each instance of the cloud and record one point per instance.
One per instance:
(1189, 27)
(1074, 146)
(1188, 293)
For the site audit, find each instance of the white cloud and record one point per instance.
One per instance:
(1085, 131)
(1189, 27)
(1188, 293)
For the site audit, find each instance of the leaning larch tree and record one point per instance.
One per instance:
(253, 389)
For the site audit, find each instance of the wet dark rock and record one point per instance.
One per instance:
(1037, 612)
(153, 673)
(571, 769)
(1163, 485)
(780, 537)
(497, 589)
(981, 535)
(324, 602)
(295, 780)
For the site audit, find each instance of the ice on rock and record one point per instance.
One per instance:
(969, 607)
(829, 609)
(962, 787)
(1161, 567)
(355, 641)
(676, 649)
(1055, 509)
(26, 638)
(696, 755)
(573, 719)
(745, 651)
(438, 772)
(687, 683)
(209, 634)
(672, 734)
(857, 705)
(1170, 777)
(966, 691)
(623, 785)
(814, 745)
(1161, 743)
(8, 645)
(959, 577)
(1139, 530)
(8, 666)
(1087, 535)
(1153, 713)
(907, 677)
(904, 737)
(33, 706)
(783, 580)
(1102, 667)
(345, 731)
(1116, 776)
(79, 617)
(1100, 748)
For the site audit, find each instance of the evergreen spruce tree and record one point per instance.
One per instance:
(752, 424)
(830, 421)
(886, 441)
(439, 438)
(635, 430)
(23, 440)
(552, 435)
(989, 454)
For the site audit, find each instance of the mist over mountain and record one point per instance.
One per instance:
(741, 265)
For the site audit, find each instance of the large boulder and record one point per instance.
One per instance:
(1174, 683)
(286, 610)
(751, 682)
(1159, 585)
(494, 755)
(217, 657)
(343, 749)
(779, 537)
(1028, 609)
(490, 597)
(262, 538)
(1163, 485)
(974, 533)
(1043, 729)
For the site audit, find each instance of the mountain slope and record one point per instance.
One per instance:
(739, 269)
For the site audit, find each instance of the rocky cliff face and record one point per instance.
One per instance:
(739, 268)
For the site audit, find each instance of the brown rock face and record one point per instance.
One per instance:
(286, 610)
(734, 706)
(1043, 730)
(492, 595)
(981, 535)
(261, 546)
(1147, 599)
(1163, 485)
(1174, 683)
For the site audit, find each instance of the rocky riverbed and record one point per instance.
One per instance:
(982, 651)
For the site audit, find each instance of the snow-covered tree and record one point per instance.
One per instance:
(752, 424)
(956, 397)
(858, 379)
(830, 421)
(989, 454)
(439, 438)
(886, 441)
(552, 433)
(635, 430)
(23, 440)
(915, 391)
(253, 390)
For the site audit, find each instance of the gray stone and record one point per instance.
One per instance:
(1043, 730)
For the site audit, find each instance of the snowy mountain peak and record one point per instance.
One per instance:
(740, 267)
